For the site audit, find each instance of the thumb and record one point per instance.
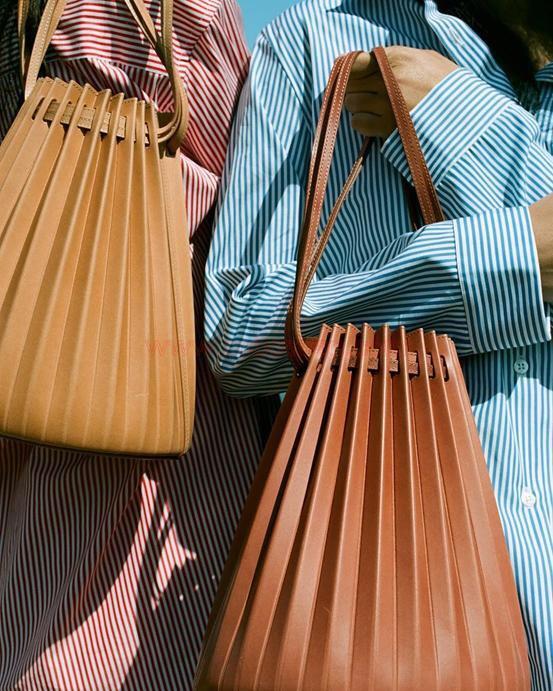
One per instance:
(364, 66)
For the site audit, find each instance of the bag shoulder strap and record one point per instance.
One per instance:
(22, 18)
(311, 246)
(174, 130)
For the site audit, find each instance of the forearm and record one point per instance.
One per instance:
(462, 277)
(483, 150)
(489, 155)
(411, 281)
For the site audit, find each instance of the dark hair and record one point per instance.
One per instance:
(508, 48)
(8, 11)
(6, 8)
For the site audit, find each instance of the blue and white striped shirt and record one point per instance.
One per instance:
(475, 277)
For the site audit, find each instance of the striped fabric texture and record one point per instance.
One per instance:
(474, 276)
(108, 567)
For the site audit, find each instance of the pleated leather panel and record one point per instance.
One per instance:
(370, 555)
(96, 330)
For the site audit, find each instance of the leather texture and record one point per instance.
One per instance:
(96, 312)
(370, 554)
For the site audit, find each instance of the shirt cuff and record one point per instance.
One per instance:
(448, 121)
(500, 280)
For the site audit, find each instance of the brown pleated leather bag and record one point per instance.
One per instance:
(370, 554)
(96, 309)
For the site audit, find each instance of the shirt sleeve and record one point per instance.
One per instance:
(449, 121)
(484, 151)
(216, 73)
(417, 280)
(462, 121)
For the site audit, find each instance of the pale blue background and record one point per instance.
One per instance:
(258, 13)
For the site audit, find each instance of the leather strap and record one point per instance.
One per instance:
(311, 246)
(22, 16)
(174, 130)
(321, 159)
(322, 147)
(426, 193)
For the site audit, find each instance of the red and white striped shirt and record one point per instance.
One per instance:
(99, 43)
(108, 567)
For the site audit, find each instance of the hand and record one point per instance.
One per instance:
(541, 214)
(417, 72)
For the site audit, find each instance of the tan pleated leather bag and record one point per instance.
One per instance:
(370, 554)
(96, 310)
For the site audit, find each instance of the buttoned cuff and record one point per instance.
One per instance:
(448, 121)
(500, 280)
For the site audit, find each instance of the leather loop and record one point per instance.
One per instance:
(174, 130)
(311, 245)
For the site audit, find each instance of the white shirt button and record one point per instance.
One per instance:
(521, 366)
(528, 498)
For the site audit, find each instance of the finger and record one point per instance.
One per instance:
(368, 124)
(363, 65)
(371, 82)
(372, 125)
(366, 103)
